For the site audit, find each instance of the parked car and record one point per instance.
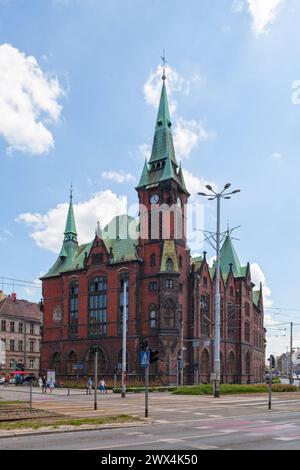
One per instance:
(12, 381)
(2, 380)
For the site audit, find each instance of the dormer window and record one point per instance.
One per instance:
(159, 123)
(170, 266)
(169, 124)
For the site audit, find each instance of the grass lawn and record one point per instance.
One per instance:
(38, 424)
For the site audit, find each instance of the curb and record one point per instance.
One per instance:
(143, 422)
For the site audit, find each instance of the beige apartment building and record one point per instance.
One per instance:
(20, 334)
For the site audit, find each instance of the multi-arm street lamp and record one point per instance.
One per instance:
(224, 194)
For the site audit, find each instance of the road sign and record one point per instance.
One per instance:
(78, 366)
(144, 358)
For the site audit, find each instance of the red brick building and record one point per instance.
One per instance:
(169, 292)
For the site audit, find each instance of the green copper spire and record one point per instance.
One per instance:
(163, 147)
(229, 257)
(70, 230)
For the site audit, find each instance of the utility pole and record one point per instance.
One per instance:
(182, 352)
(216, 375)
(124, 340)
(95, 378)
(291, 356)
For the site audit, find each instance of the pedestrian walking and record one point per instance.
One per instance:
(89, 386)
(102, 386)
(40, 382)
(51, 384)
(44, 385)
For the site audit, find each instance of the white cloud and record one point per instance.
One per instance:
(47, 229)
(117, 177)
(174, 83)
(277, 156)
(195, 184)
(187, 135)
(5, 235)
(264, 13)
(258, 277)
(28, 101)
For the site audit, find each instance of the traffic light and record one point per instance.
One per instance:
(153, 356)
(144, 346)
(272, 362)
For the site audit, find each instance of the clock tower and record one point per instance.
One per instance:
(162, 245)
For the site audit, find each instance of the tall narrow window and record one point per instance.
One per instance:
(205, 315)
(152, 260)
(231, 326)
(152, 316)
(247, 331)
(73, 308)
(98, 306)
(170, 266)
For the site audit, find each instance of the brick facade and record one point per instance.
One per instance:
(168, 290)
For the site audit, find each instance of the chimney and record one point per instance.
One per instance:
(14, 297)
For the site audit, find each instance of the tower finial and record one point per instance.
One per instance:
(71, 192)
(164, 65)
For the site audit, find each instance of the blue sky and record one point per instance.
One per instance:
(232, 65)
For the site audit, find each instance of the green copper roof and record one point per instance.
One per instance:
(162, 165)
(163, 146)
(229, 256)
(122, 244)
(70, 225)
(169, 253)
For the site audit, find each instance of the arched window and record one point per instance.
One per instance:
(231, 363)
(170, 265)
(168, 314)
(247, 331)
(248, 363)
(205, 282)
(73, 308)
(231, 326)
(98, 306)
(205, 315)
(55, 362)
(152, 260)
(204, 364)
(101, 363)
(180, 261)
(71, 361)
(152, 316)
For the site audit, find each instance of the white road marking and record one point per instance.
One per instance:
(153, 442)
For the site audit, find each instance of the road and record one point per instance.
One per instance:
(176, 422)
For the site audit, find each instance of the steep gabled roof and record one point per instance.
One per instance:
(117, 237)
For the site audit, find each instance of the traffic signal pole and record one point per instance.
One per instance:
(146, 390)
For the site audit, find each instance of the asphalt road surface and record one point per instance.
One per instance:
(176, 423)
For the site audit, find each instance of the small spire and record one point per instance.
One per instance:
(98, 230)
(204, 255)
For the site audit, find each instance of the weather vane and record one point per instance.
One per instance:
(164, 65)
(71, 191)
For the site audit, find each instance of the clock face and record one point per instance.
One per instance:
(154, 199)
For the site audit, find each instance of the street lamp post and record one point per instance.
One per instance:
(224, 194)
(124, 338)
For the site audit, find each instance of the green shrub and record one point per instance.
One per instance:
(227, 389)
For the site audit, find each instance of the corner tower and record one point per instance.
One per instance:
(162, 246)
